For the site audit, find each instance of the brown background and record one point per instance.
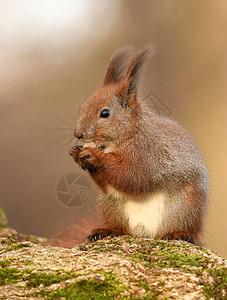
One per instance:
(54, 55)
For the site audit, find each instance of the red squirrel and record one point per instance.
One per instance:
(151, 175)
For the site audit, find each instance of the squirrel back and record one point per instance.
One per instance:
(151, 175)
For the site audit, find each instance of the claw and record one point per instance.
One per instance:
(74, 149)
(71, 152)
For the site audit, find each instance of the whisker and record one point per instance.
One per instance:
(62, 148)
(59, 129)
(55, 143)
(59, 119)
(63, 129)
(60, 139)
(68, 128)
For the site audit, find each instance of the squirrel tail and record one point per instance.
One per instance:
(75, 234)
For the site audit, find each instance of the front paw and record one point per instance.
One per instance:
(86, 158)
(75, 151)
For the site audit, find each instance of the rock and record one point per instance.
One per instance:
(19, 237)
(112, 268)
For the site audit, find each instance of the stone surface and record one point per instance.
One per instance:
(117, 268)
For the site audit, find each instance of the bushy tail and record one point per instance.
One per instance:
(74, 234)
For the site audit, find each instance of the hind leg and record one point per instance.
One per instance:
(100, 233)
(180, 235)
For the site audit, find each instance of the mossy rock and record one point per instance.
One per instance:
(3, 219)
(112, 268)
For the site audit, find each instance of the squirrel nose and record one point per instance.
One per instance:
(78, 134)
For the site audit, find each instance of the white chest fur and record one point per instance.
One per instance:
(144, 215)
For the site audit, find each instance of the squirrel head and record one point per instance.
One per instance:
(112, 110)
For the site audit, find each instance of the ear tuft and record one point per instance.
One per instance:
(136, 67)
(117, 66)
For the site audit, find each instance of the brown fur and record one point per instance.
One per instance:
(143, 154)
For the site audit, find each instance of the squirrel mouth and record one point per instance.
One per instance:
(99, 146)
(94, 144)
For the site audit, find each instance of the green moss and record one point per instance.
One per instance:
(179, 260)
(110, 288)
(6, 241)
(28, 263)
(153, 295)
(154, 253)
(143, 283)
(9, 275)
(17, 246)
(153, 292)
(6, 262)
(164, 255)
(217, 289)
(34, 279)
(10, 245)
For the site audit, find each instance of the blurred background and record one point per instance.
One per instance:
(54, 54)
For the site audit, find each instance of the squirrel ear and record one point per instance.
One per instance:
(117, 66)
(135, 68)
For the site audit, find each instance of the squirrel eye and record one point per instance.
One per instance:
(105, 113)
